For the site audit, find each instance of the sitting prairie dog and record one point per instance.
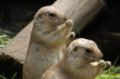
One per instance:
(81, 60)
(51, 30)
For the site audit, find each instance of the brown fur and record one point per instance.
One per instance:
(50, 32)
(76, 63)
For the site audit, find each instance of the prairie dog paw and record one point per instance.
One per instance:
(69, 22)
(102, 63)
(72, 35)
(105, 64)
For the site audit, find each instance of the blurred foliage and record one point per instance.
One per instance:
(4, 38)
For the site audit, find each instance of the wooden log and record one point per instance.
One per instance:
(13, 54)
(17, 47)
(80, 11)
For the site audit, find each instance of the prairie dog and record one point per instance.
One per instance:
(51, 30)
(81, 61)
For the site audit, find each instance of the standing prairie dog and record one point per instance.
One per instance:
(51, 30)
(81, 61)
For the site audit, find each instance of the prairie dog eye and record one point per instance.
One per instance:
(52, 15)
(88, 50)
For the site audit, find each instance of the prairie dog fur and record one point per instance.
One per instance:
(51, 30)
(81, 60)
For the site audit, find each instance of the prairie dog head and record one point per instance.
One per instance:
(83, 51)
(50, 15)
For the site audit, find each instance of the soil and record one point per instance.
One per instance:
(16, 14)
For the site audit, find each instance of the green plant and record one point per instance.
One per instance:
(2, 77)
(5, 32)
(14, 75)
(112, 73)
(4, 38)
(77, 29)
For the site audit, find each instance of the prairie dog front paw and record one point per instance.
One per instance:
(72, 35)
(69, 23)
(101, 63)
(105, 64)
(108, 64)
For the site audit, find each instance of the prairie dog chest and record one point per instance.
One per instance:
(55, 56)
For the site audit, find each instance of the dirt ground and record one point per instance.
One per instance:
(16, 14)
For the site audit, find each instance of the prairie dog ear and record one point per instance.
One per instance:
(40, 18)
(76, 48)
(39, 15)
(57, 7)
